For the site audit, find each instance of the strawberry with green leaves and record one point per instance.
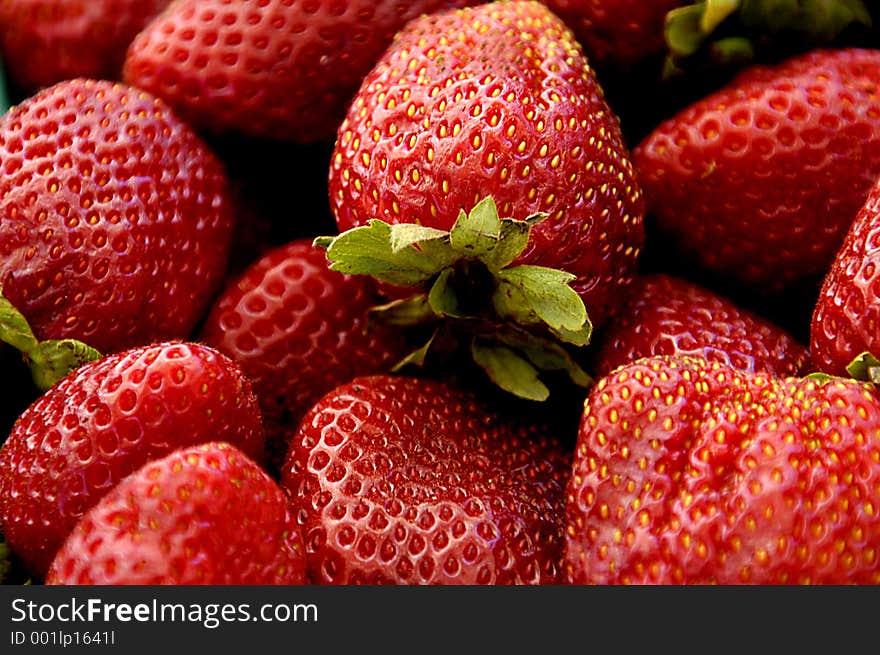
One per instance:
(687, 472)
(400, 480)
(495, 100)
(104, 421)
(298, 329)
(116, 219)
(759, 181)
(620, 34)
(480, 162)
(204, 515)
(48, 41)
(280, 69)
(666, 315)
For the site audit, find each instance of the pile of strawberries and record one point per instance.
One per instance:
(440, 292)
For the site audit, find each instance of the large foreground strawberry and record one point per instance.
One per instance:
(408, 481)
(847, 313)
(760, 181)
(298, 330)
(116, 217)
(48, 41)
(104, 421)
(666, 315)
(495, 100)
(687, 473)
(205, 515)
(283, 69)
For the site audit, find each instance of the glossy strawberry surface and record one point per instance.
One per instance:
(48, 41)
(105, 420)
(666, 315)
(759, 181)
(204, 515)
(496, 100)
(298, 330)
(283, 69)
(403, 481)
(847, 314)
(692, 473)
(116, 216)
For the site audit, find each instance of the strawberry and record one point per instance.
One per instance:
(104, 421)
(689, 473)
(116, 216)
(495, 101)
(666, 315)
(410, 481)
(759, 181)
(282, 69)
(298, 330)
(616, 33)
(847, 311)
(204, 515)
(48, 41)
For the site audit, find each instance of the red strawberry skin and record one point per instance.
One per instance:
(199, 516)
(666, 315)
(298, 329)
(692, 473)
(616, 33)
(760, 181)
(847, 313)
(495, 100)
(281, 69)
(405, 481)
(104, 421)
(116, 216)
(48, 41)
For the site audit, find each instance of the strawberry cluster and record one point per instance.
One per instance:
(582, 293)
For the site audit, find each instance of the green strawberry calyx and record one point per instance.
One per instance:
(516, 320)
(48, 360)
(864, 368)
(730, 32)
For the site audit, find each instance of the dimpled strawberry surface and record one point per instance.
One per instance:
(201, 515)
(283, 69)
(406, 481)
(78, 440)
(116, 217)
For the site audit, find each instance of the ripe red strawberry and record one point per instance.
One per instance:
(116, 218)
(496, 100)
(105, 420)
(298, 330)
(618, 33)
(691, 473)
(665, 315)
(47, 41)
(760, 181)
(408, 481)
(283, 69)
(205, 515)
(847, 313)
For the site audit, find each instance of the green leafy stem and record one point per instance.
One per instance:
(49, 360)
(730, 29)
(518, 320)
